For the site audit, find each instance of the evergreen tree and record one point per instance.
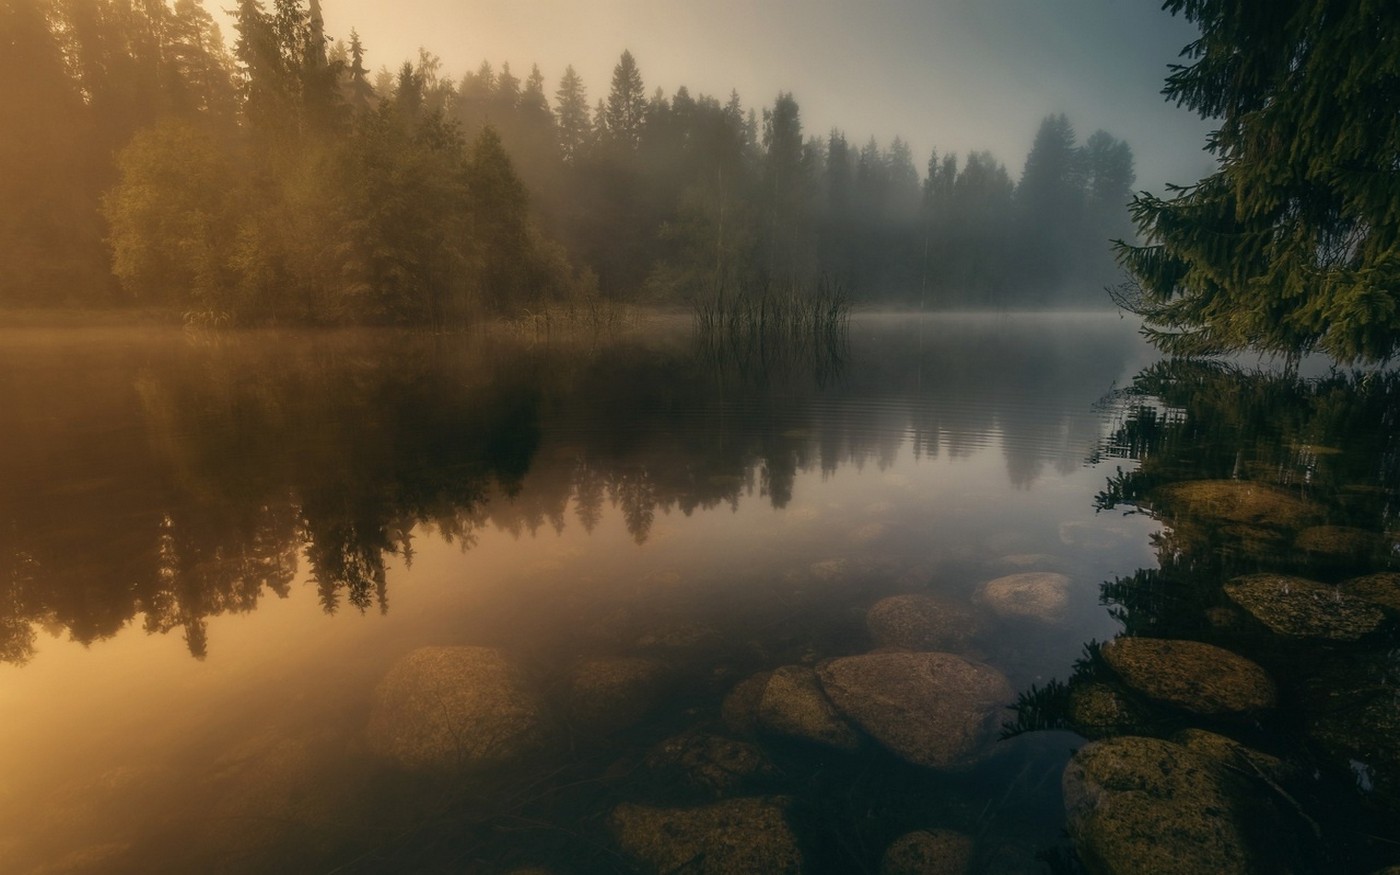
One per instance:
(360, 95)
(786, 192)
(627, 104)
(49, 240)
(507, 89)
(903, 181)
(200, 66)
(571, 113)
(499, 202)
(1109, 177)
(1293, 244)
(532, 99)
(1050, 201)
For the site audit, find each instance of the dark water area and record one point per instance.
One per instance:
(385, 602)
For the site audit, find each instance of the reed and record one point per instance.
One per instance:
(795, 312)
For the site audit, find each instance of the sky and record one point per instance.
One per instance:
(948, 74)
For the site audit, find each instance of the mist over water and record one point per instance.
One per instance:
(662, 437)
(271, 520)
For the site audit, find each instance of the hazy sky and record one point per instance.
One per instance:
(951, 74)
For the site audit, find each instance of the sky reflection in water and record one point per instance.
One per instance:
(298, 511)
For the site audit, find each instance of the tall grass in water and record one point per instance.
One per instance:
(760, 327)
(795, 313)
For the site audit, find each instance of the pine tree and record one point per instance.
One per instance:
(627, 104)
(786, 191)
(50, 242)
(1050, 203)
(361, 94)
(571, 113)
(1293, 244)
(507, 88)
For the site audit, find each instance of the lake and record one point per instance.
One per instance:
(355, 601)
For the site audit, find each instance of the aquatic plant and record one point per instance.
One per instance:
(768, 312)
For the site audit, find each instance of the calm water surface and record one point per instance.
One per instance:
(214, 549)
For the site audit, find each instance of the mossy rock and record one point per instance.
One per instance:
(611, 693)
(1191, 675)
(1142, 805)
(1298, 608)
(739, 710)
(1230, 753)
(932, 709)
(1099, 709)
(1338, 543)
(921, 622)
(1237, 501)
(454, 707)
(733, 837)
(706, 764)
(1037, 595)
(793, 704)
(1382, 589)
(928, 852)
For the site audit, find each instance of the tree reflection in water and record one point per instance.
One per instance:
(1262, 472)
(183, 478)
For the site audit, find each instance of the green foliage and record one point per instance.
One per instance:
(174, 218)
(274, 183)
(1293, 244)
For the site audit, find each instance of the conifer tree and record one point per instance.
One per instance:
(627, 104)
(361, 93)
(571, 113)
(1293, 243)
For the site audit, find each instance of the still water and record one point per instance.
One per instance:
(378, 602)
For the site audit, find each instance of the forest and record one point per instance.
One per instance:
(149, 163)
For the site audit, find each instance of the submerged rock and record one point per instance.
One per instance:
(1039, 595)
(921, 622)
(709, 764)
(1382, 589)
(1137, 805)
(793, 704)
(454, 707)
(1299, 608)
(1228, 752)
(1238, 501)
(1097, 709)
(727, 838)
(1338, 542)
(740, 709)
(611, 693)
(928, 852)
(1197, 677)
(933, 709)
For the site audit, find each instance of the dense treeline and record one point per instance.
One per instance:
(146, 162)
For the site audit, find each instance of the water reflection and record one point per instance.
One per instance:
(1278, 496)
(178, 479)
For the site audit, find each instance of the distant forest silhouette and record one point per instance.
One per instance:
(145, 162)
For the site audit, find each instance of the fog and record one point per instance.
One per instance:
(956, 75)
(440, 164)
